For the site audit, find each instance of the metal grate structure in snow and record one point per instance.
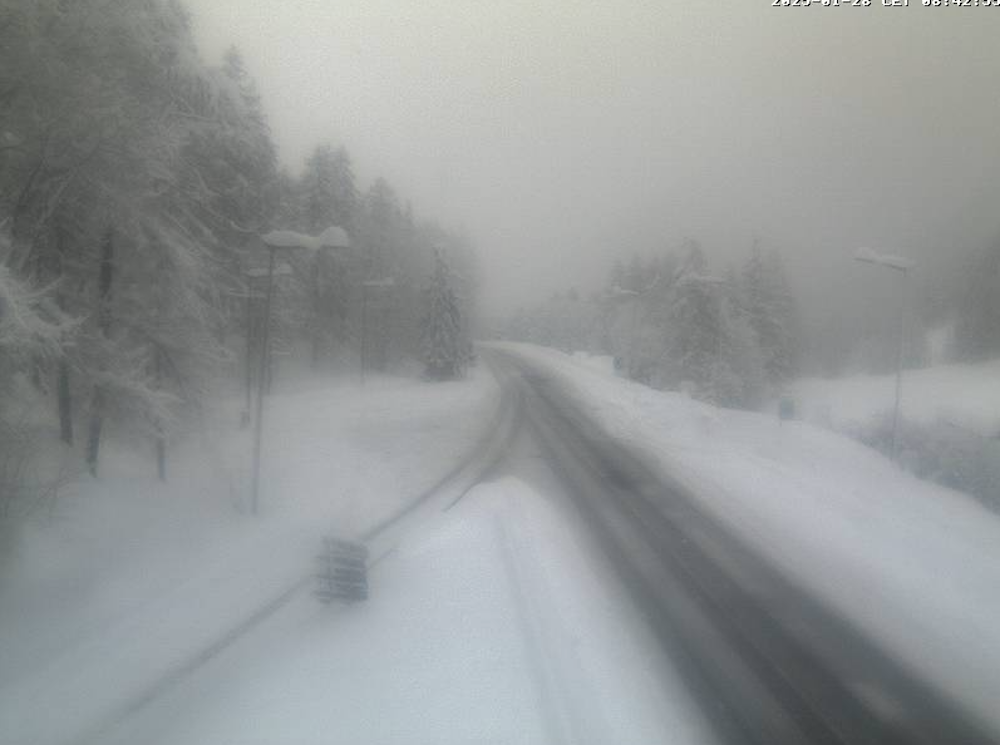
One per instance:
(343, 571)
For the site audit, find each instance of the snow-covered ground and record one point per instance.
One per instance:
(132, 577)
(967, 396)
(602, 362)
(915, 565)
(495, 626)
(496, 622)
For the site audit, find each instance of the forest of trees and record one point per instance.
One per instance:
(670, 323)
(736, 338)
(135, 180)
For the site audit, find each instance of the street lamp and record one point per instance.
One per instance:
(253, 294)
(333, 238)
(382, 282)
(619, 293)
(903, 266)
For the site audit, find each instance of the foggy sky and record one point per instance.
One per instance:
(560, 133)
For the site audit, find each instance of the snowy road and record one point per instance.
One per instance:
(768, 660)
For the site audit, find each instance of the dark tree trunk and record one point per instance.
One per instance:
(64, 394)
(65, 400)
(105, 279)
(36, 375)
(161, 458)
(94, 430)
(251, 346)
(161, 441)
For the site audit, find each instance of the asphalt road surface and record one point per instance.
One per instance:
(768, 662)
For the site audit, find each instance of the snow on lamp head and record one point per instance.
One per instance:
(899, 263)
(333, 237)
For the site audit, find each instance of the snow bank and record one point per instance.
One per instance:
(601, 362)
(967, 396)
(915, 565)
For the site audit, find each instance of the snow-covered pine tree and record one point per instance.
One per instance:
(106, 201)
(616, 279)
(696, 328)
(977, 332)
(30, 322)
(235, 172)
(742, 357)
(327, 196)
(769, 308)
(710, 349)
(447, 347)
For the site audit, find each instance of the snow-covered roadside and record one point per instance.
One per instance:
(135, 577)
(915, 565)
(494, 626)
(967, 396)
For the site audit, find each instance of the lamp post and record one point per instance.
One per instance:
(619, 293)
(253, 295)
(383, 282)
(903, 266)
(333, 238)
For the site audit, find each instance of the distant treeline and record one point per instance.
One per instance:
(729, 339)
(737, 337)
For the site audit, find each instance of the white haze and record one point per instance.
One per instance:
(561, 133)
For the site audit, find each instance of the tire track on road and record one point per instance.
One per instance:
(770, 662)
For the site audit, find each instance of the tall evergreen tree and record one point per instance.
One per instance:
(447, 348)
(711, 349)
(767, 303)
(108, 199)
(977, 333)
(696, 325)
(327, 196)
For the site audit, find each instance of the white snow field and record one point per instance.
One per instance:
(496, 626)
(915, 565)
(132, 579)
(967, 396)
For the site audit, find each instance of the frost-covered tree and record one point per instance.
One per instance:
(768, 306)
(711, 350)
(111, 198)
(234, 169)
(328, 191)
(326, 196)
(30, 322)
(697, 327)
(977, 333)
(447, 348)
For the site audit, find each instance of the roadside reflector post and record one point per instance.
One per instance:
(343, 571)
(786, 408)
